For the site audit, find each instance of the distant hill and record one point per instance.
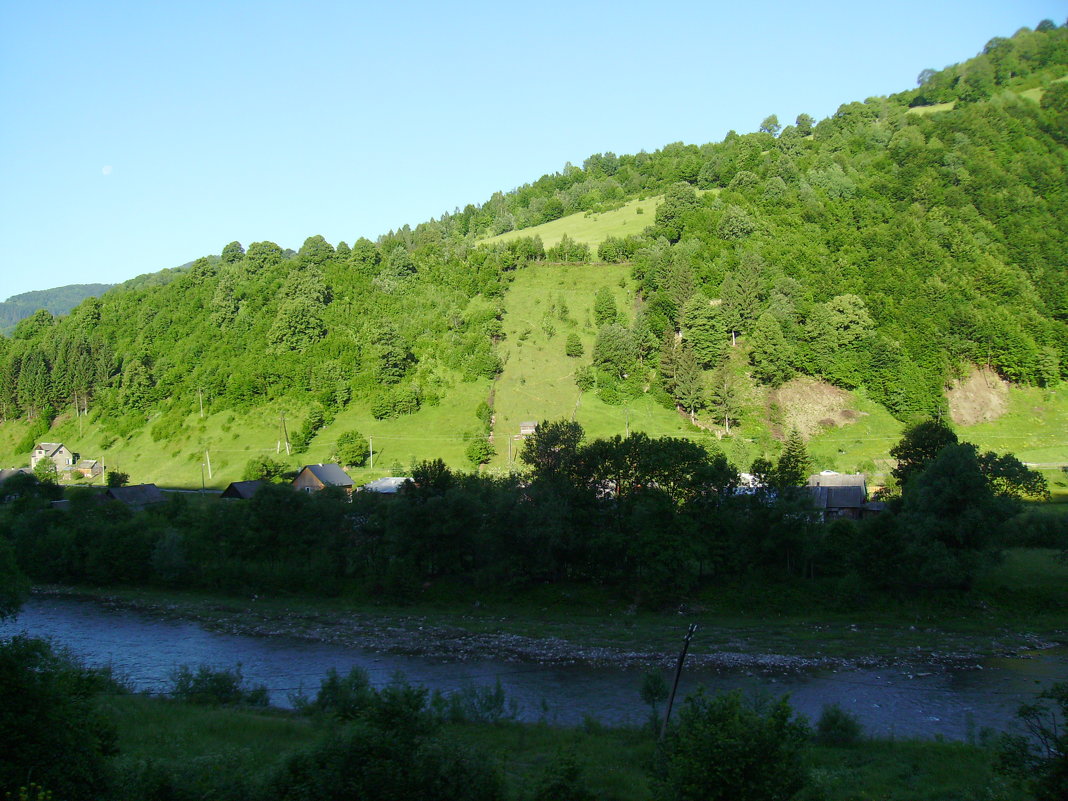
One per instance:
(829, 276)
(58, 301)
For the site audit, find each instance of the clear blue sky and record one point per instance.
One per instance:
(137, 136)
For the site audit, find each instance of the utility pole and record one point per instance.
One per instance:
(678, 674)
(200, 393)
(371, 446)
(207, 457)
(202, 485)
(285, 433)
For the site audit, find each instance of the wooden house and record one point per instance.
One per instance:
(243, 490)
(316, 477)
(137, 496)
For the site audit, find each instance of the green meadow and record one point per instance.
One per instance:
(592, 228)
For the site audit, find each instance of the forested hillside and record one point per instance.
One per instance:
(57, 301)
(885, 248)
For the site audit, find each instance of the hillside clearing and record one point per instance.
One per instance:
(592, 228)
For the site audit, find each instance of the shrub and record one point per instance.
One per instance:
(722, 748)
(216, 687)
(837, 727)
(52, 730)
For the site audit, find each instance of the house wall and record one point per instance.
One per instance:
(307, 482)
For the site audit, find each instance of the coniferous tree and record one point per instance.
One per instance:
(770, 354)
(793, 465)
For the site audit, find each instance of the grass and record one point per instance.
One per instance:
(861, 446)
(544, 305)
(592, 227)
(217, 748)
(934, 108)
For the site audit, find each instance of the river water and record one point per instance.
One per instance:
(921, 702)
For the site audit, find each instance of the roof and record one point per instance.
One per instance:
(828, 478)
(136, 495)
(243, 489)
(386, 486)
(8, 472)
(330, 474)
(48, 447)
(838, 497)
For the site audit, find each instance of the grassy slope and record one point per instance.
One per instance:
(592, 227)
(538, 379)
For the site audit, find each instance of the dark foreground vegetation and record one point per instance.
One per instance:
(650, 521)
(73, 733)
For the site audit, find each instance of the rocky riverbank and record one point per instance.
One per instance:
(461, 638)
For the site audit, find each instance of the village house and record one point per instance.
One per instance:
(243, 490)
(316, 477)
(527, 428)
(57, 453)
(842, 495)
(136, 496)
(89, 468)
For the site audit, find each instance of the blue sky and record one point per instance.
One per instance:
(138, 136)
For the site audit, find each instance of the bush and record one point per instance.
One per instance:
(837, 727)
(388, 749)
(115, 478)
(562, 781)
(722, 748)
(216, 687)
(263, 468)
(1039, 757)
(52, 730)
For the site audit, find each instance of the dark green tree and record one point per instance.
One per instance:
(770, 125)
(723, 748)
(918, 447)
(352, 449)
(793, 465)
(551, 450)
(604, 308)
(53, 732)
(770, 354)
(232, 253)
(479, 451)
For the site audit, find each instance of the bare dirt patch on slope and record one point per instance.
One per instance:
(809, 406)
(979, 397)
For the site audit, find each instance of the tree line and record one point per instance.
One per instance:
(652, 520)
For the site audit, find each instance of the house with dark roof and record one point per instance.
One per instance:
(841, 495)
(56, 452)
(316, 477)
(243, 490)
(8, 472)
(136, 496)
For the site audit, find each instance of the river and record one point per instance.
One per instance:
(924, 702)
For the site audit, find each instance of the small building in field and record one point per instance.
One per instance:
(386, 486)
(842, 495)
(89, 468)
(243, 490)
(8, 472)
(316, 477)
(527, 428)
(56, 452)
(136, 496)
